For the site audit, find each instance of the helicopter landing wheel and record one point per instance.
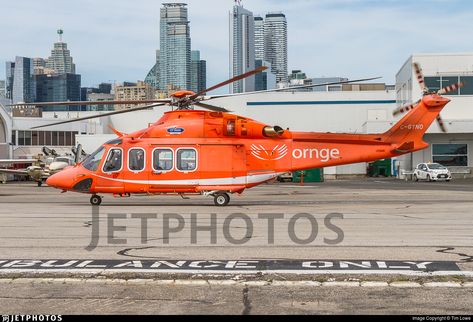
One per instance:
(95, 200)
(40, 183)
(221, 199)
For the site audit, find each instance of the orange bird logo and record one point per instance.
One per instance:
(260, 152)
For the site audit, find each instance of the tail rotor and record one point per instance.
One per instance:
(420, 78)
(426, 91)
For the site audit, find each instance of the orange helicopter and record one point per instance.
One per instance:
(216, 153)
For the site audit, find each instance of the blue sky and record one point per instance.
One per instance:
(116, 40)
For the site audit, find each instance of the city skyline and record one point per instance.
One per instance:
(106, 49)
(38, 79)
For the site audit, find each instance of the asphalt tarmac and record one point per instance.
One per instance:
(382, 230)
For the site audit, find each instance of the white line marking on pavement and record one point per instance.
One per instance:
(374, 284)
(442, 284)
(341, 284)
(209, 283)
(405, 284)
(7, 272)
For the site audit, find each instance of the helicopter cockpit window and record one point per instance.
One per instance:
(114, 161)
(162, 159)
(92, 162)
(186, 159)
(136, 160)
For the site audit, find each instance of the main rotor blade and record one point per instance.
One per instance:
(441, 124)
(73, 103)
(420, 77)
(211, 107)
(133, 109)
(405, 108)
(231, 80)
(292, 88)
(450, 88)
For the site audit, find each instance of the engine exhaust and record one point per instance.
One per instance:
(272, 131)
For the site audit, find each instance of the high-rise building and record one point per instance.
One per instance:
(175, 46)
(58, 88)
(198, 72)
(55, 78)
(133, 92)
(39, 62)
(105, 88)
(23, 82)
(2, 89)
(259, 38)
(60, 60)
(242, 48)
(9, 74)
(266, 79)
(101, 93)
(39, 66)
(153, 75)
(275, 45)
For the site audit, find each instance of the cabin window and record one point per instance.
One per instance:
(114, 161)
(186, 159)
(162, 159)
(136, 159)
(92, 162)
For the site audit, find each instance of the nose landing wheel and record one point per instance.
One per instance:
(95, 200)
(221, 199)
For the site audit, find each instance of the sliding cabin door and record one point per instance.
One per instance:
(222, 165)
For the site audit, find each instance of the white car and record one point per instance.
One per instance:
(431, 172)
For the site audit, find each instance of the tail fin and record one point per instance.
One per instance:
(407, 134)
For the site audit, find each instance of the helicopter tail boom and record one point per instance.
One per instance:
(408, 132)
(317, 150)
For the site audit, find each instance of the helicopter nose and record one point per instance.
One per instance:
(62, 180)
